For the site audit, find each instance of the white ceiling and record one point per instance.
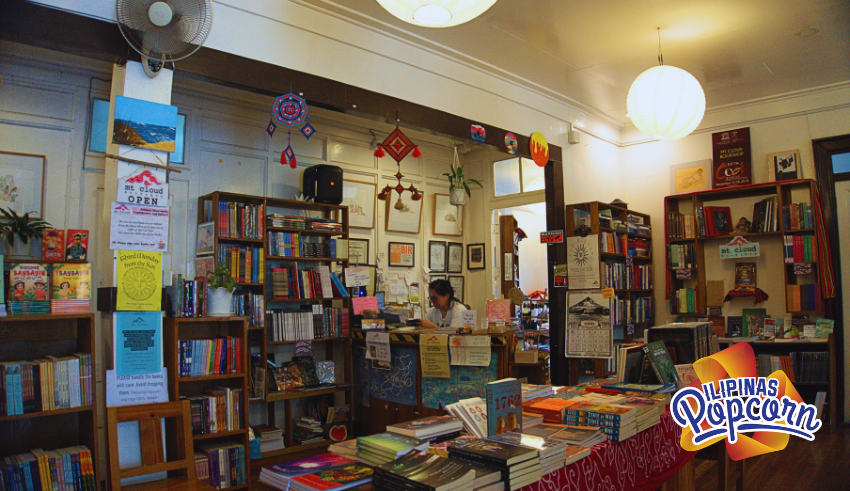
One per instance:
(589, 52)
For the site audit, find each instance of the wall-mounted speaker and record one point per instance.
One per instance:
(323, 183)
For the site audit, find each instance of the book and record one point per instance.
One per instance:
(28, 289)
(584, 436)
(425, 428)
(490, 451)
(473, 413)
(279, 475)
(687, 373)
(52, 245)
(77, 245)
(661, 363)
(734, 326)
(745, 276)
(71, 288)
(426, 472)
(325, 372)
(390, 444)
(504, 406)
(754, 317)
(336, 478)
(823, 328)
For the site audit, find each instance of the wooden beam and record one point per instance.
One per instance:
(556, 254)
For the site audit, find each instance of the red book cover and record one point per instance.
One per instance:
(217, 358)
(229, 361)
(52, 245)
(732, 158)
(77, 245)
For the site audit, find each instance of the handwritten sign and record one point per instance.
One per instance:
(739, 247)
(138, 228)
(359, 304)
(131, 390)
(356, 277)
(552, 237)
(607, 293)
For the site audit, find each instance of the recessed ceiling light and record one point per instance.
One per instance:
(806, 32)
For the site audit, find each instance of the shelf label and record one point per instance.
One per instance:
(739, 247)
(552, 237)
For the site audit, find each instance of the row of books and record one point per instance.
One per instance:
(289, 282)
(800, 248)
(294, 244)
(797, 216)
(188, 297)
(305, 223)
(765, 216)
(224, 463)
(622, 277)
(46, 384)
(680, 226)
(240, 220)
(250, 305)
(201, 357)
(682, 256)
(802, 298)
(317, 323)
(686, 342)
(809, 367)
(36, 288)
(683, 301)
(639, 248)
(219, 409)
(614, 243)
(247, 264)
(68, 469)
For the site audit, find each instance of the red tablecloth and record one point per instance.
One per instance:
(643, 462)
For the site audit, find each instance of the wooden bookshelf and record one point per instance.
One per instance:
(31, 337)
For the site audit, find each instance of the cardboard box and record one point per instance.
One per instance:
(527, 356)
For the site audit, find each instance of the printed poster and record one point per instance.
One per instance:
(132, 390)
(139, 280)
(464, 383)
(732, 162)
(141, 185)
(589, 333)
(470, 350)
(583, 262)
(378, 346)
(139, 228)
(137, 342)
(434, 351)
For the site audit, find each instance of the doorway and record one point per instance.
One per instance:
(531, 218)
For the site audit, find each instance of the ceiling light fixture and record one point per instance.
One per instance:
(436, 13)
(666, 102)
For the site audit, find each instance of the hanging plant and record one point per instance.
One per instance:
(459, 183)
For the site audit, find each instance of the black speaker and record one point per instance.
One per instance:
(323, 183)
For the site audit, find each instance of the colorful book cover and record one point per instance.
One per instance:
(429, 470)
(318, 463)
(661, 363)
(28, 282)
(325, 372)
(499, 310)
(391, 443)
(734, 326)
(338, 477)
(52, 245)
(748, 320)
(71, 282)
(687, 373)
(504, 406)
(824, 327)
(500, 452)
(78, 245)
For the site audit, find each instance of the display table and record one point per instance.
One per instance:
(641, 463)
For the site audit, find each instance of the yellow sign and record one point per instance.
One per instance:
(434, 354)
(139, 280)
(539, 149)
(607, 293)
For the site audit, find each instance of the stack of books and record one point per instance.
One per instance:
(473, 413)
(271, 438)
(520, 466)
(28, 289)
(347, 449)
(552, 410)
(338, 478)
(530, 420)
(280, 475)
(386, 447)
(71, 292)
(616, 421)
(648, 411)
(66, 468)
(226, 464)
(426, 472)
(435, 429)
(551, 452)
(530, 391)
(307, 430)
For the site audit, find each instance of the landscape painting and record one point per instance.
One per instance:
(145, 124)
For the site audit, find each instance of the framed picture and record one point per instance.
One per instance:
(358, 251)
(437, 256)
(402, 254)
(447, 218)
(784, 166)
(405, 218)
(22, 183)
(475, 257)
(360, 198)
(457, 284)
(145, 124)
(690, 176)
(455, 258)
(205, 240)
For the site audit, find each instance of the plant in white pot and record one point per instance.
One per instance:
(221, 285)
(459, 184)
(23, 228)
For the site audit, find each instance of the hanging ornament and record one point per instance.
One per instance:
(539, 149)
(289, 110)
(307, 130)
(511, 144)
(398, 145)
(478, 133)
(288, 155)
(270, 128)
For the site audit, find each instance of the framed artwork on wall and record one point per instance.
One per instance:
(437, 256)
(784, 166)
(448, 218)
(402, 254)
(358, 251)
(404, 218)
(205, 243)
(22, 183)
(360, 199)
(457, 284)
(690, 177)
(475, 257)
(455, 257)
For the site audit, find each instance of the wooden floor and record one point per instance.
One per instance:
(823, 464)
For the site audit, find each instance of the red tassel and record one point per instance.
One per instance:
(292, 163)
(416, 152)
(379, 152)
(282, 158)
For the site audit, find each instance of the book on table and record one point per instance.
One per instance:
(504, 406)
(336, 478)
(425, 428)
(388, 446)
(279, 475)
(426, 472)
(496, 452)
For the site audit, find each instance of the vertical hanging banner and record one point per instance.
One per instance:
(139, 277)
(732, 164)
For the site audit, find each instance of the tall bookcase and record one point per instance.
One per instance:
(260, 338)
(31, 337)
(509, 257)
(615, 240)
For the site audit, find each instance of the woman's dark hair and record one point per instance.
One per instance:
(443, 287)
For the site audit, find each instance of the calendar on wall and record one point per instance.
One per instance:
(589, 333)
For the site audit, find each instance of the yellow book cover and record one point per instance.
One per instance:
(139, 280)
(71, 282)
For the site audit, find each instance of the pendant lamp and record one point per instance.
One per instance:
(436, 13)
(666, 102)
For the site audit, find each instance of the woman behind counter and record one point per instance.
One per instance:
(447, 309)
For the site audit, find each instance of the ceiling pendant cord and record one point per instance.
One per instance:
(660, 56)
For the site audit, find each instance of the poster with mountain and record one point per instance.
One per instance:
(589, 333)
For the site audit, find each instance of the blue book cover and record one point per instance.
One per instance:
(504, 406)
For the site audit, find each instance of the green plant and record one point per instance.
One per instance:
(21, 226)
(221, 278)
(458, 180)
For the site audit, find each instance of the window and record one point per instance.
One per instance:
(177, 156)
(516, 175)
(840, 163)
(98, 138)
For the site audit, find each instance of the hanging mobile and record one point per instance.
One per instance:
(290, 110)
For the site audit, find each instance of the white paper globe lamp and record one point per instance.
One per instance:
(436, 13)
(666, 102)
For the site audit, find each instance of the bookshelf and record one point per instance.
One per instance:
(774, 276)
(34, 337)
(509, 257)
(176, 329)
(623, 238)
(266, 338)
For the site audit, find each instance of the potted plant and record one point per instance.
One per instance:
(13, 225)
(221, 285)
(459, 184)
